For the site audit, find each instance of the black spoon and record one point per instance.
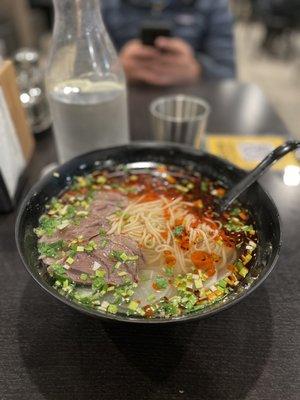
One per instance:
(258, 171)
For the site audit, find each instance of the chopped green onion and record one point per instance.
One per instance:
(100, 273)
(63, 225)
(247, 258)
(122, 273)
(243, 272)
(133, 305)
(151, 298)
(239, 265)
(132, 258)
(222, 283)
(181, 188)
(103, 243)
(236, 226)
(123, 256)
(70, 260)
(101, 180)
(198, 283)
(204, 186)
(235, 212)
(105, 305)
(190, 185)
(91, 246)
(112, 308)
(82, 213)
(117, 265)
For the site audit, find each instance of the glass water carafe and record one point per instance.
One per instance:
(85, 81)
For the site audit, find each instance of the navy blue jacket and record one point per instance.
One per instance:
(205, 24)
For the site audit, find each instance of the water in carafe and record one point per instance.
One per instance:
(86, 84)
(95, 117)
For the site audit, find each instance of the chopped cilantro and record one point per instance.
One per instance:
(47, 226)
(70, 213)
(58, 272)
(51, 249)
(235, 212)
(169, 271)
(160, 282)
(168, 309)
(91, 246)
(178, 231)
(102, 232)
(98, 282)
(116, 255)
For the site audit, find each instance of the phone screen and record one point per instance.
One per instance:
(150, 30)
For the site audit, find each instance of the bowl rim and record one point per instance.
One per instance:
(136, 145)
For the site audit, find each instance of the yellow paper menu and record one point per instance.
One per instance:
(247, 151)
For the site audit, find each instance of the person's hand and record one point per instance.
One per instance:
(136, 59)
(170, 62)
(177, 63)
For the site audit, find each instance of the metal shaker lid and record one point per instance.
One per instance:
(26, 57)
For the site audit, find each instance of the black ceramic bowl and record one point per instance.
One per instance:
(256, 199)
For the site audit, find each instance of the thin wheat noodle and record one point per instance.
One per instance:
(147, 223)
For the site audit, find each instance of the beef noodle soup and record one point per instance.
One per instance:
(147, 243)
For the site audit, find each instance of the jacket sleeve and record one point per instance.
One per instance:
(217, 51)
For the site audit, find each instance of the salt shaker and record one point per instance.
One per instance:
(32, 89)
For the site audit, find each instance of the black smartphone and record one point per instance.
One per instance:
(150, 30)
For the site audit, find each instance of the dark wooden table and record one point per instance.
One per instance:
(251, 351)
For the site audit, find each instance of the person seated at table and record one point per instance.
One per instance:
(201, 46)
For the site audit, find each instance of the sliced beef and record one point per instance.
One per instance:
(104, 204)
(84, 263)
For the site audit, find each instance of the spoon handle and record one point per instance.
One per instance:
(258, 171)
